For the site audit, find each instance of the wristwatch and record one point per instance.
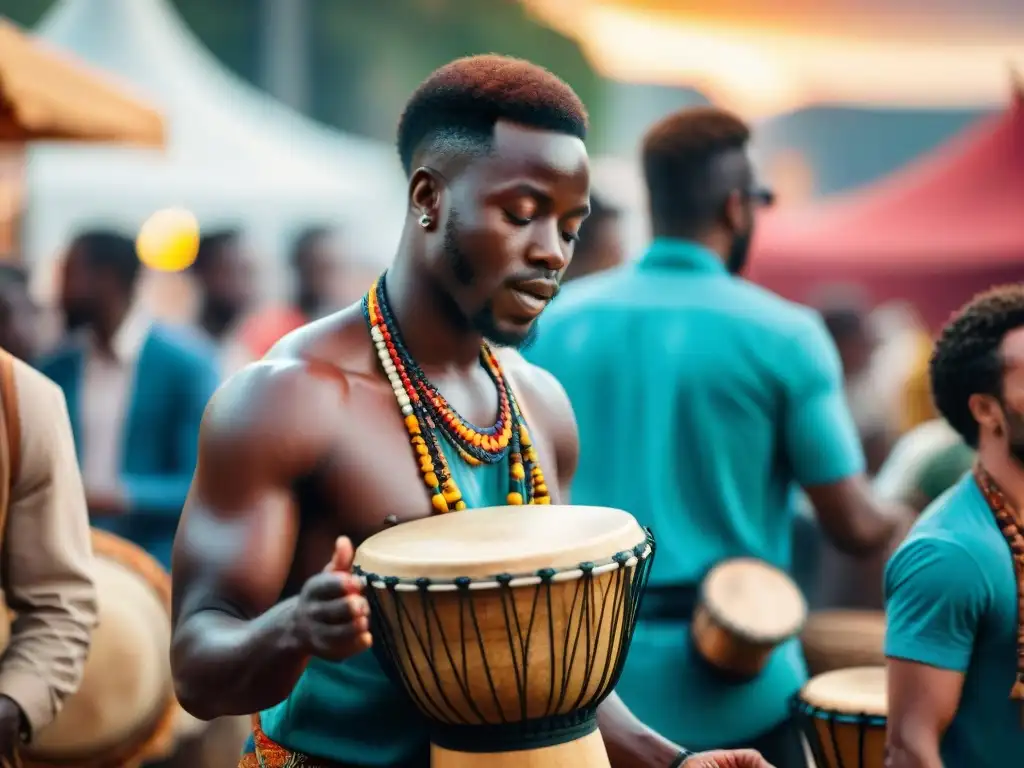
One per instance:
(682, 757)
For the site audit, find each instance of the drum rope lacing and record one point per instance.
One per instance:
(808, 713)
(597, 608)
(426, 414)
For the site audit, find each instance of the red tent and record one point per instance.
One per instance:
(948, 226)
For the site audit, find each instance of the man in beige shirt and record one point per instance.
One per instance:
(46, 555)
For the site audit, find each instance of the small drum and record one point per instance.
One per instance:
(124, 712)
(746, 608)
(508, 626)
(842, 715)
(842, 638)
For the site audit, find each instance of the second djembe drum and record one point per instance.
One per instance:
(508, 626)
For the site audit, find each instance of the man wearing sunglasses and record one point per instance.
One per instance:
(702, 400)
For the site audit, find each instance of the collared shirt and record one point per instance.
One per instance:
(701, 400)
(106, 396)
(47, 558)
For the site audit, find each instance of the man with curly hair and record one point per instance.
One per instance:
(954, 589)
(308, 452)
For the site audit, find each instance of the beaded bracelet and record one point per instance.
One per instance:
(682, 757)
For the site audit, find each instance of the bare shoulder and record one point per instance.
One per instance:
(293, 401)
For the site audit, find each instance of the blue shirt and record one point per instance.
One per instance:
(951, 603)
(700, 399)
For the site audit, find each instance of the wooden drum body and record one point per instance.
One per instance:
(508, 626)
(124, 711)
(843, 638)
(746, 609)
(842, 715)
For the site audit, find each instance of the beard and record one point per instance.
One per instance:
(483, 322)
(739, 252)
(1015, 434)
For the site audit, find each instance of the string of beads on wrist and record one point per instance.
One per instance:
(682, 757)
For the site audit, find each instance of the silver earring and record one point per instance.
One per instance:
(425, 220)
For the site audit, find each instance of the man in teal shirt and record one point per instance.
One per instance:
(956, 673)
(700, 400)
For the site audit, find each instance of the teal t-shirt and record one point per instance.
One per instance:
(350, 711)
(701, 400)
(951, 603)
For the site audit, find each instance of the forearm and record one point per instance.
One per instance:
(223, 665)
(630, 743)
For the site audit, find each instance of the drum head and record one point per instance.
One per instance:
(754, 599)
(125, 706)
(856, 691)
(478, 543)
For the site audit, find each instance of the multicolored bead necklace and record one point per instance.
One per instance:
(428, 417)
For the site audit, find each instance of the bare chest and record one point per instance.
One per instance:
(371, 480)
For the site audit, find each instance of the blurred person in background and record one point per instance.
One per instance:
(224, 271)
(845, 314)
(18, 314)
(954, 590)
(135, 391)
(601, 245)
(701, 401)
(315, 263)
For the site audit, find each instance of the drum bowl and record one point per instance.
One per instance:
(841, 639)
(491, 652)
(124, 710)
(843, 715)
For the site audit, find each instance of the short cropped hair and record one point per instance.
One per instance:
(966, 359)
(457, 107)
(110, 252)
(210, 245)
(680, 155)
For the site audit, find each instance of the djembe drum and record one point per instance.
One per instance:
(508, 626)
(746, 609)
(843, 638)
(842, 715)
(124, 712)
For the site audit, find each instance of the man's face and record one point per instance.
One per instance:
(320, 275)
(79, 293)
(1012, 399)
(509, 226)
(18, 318)
(229, 280)
(751, 199)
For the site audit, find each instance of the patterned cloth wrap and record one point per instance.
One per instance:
(261, 752)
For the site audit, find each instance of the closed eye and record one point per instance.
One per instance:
(571, 237)
(519, 221)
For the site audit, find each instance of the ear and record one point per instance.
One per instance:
(988, 413)
(736, 212)
(425, 195)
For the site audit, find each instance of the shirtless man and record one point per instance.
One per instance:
(311, 444)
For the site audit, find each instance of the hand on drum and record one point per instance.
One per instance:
(737, 758)
(331, 617)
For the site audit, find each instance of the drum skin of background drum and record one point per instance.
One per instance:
(508, 626)
(124, 712)
(839, 639)
(747, 608)
(842, 714)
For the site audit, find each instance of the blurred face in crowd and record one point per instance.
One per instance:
(228, 282)
(318, 275)
(80, 290)
(507, 228)
(601, 247)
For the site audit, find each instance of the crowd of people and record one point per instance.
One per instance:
(252, 450)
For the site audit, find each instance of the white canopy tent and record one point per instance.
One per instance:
(234, 156)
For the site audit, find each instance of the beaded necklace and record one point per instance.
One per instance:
(1006, 518)
(428, 417)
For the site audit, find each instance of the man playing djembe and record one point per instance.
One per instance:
(338, 432)
(955, 588)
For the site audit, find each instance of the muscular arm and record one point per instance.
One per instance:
(935, 597)
(630, 743)
(234, 649)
